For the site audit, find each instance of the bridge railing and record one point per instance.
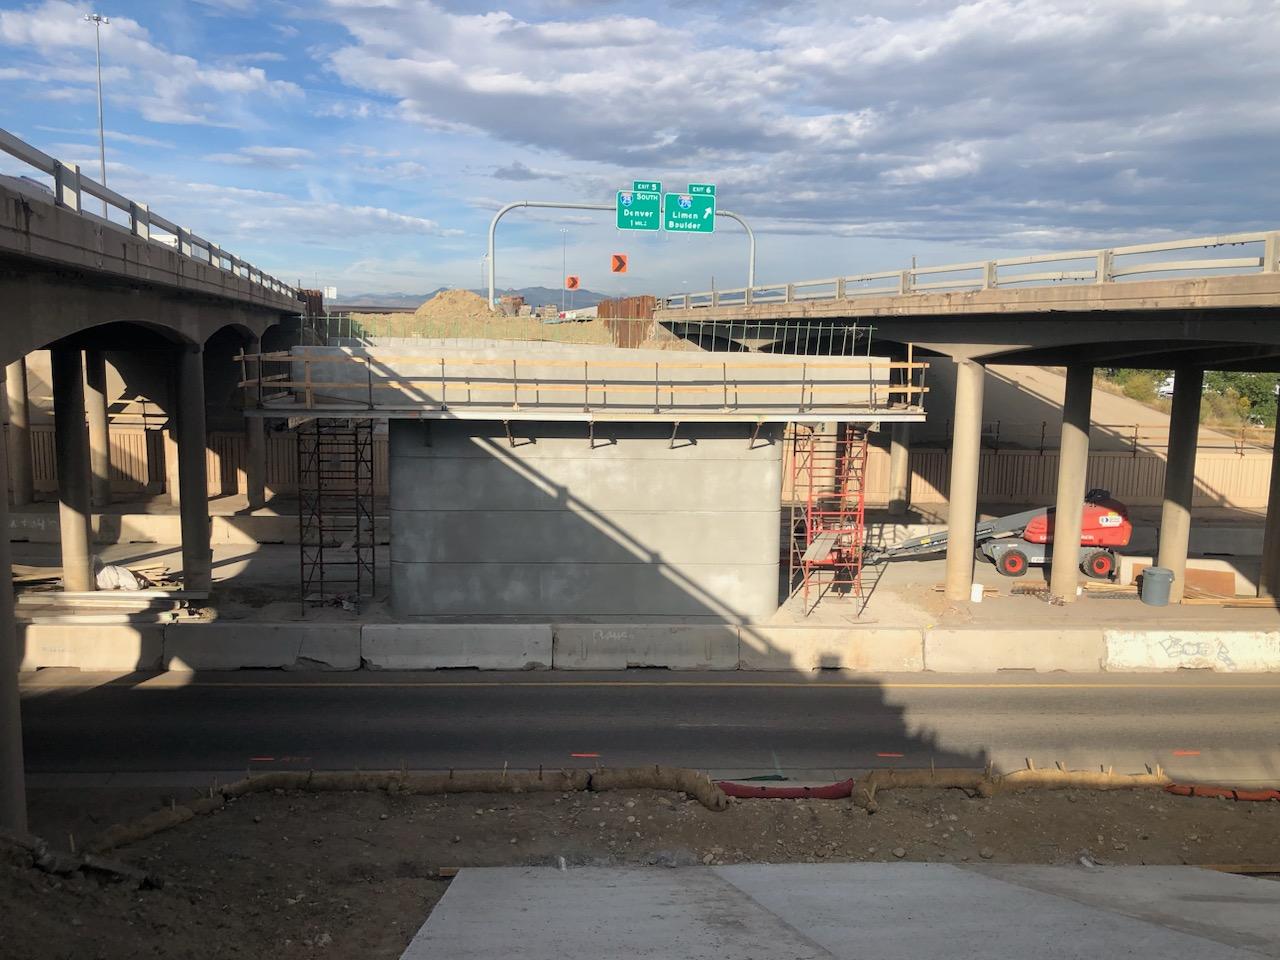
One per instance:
(70, 187)
(1108, 265)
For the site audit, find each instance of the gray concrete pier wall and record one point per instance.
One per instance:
(631, 525)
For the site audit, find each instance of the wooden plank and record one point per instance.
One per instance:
(1219, 583)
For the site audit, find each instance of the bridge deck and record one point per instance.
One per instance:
(504, 383)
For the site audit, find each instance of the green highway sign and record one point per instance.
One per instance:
(690, 212)
(708, 189)
(646, 186)
(639, 209)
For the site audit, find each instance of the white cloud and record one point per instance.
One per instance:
(283, 158)
(935, 118)
(138, 74)
(115, 135)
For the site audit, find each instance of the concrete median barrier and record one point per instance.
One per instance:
(984, 651)
(837, 648)
(440, 646)
(97, 647)
(619, 646)
(1223, 650)
(237, 645)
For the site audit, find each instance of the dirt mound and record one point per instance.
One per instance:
(455, 305)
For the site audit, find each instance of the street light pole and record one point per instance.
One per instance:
(98, 20)
(564, 265)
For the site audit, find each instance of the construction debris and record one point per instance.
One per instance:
(1193, 596)
(54, 862)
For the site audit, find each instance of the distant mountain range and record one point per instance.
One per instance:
(536, 296)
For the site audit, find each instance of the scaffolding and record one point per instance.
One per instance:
(828, 482)
(335, 511)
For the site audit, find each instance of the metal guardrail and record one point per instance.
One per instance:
(1075, 267)
(70, 187)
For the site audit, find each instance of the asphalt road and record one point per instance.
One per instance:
(1198, 726)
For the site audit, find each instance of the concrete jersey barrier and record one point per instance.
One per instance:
(243, 645)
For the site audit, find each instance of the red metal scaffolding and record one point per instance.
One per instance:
(828, 480)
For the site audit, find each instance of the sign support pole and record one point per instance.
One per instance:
(556, 205)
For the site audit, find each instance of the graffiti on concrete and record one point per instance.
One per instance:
(1178, 649)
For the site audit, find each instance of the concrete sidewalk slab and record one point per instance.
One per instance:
(624, 645)
(893, 911)
(442, 646)
(236, 645)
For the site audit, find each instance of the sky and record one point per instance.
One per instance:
(366, 144)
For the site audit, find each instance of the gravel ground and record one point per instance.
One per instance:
(355, 875)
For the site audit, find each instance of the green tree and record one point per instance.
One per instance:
(1255, 393)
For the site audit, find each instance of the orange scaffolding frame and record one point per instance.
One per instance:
(828, 513)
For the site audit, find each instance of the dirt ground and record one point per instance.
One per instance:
(355, 875)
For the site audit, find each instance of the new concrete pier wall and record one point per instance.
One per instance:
(630, 520)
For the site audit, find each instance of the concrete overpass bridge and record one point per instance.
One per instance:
(126, 281)
(1206, 303)
(88, 273)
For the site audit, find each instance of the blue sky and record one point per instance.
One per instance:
(367, 143)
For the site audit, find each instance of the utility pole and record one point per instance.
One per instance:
(98, 20)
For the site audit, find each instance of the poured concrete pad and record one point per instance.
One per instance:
(896, 911)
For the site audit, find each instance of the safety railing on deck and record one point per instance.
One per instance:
(69, 187)
(1107, 265)
(509, 387)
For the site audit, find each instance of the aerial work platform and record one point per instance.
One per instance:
(493, 380)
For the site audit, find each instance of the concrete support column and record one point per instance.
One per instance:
(1269, 581)
(18, 438)
(169, 443)
(899, 468)
(71, 443)
(1180, 476)
(255, 443)
(1073, 465)
(962, 502)
(95, 399)
(13, 787)
(193, 483)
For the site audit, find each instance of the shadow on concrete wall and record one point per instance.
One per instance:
(481, 528)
